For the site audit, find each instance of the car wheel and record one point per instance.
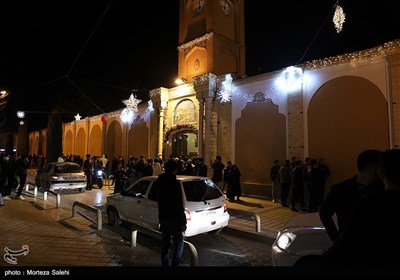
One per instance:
(113, 217)
(215, 231)
(100, 183)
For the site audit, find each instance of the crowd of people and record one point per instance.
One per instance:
(299, 184)
(13, 173)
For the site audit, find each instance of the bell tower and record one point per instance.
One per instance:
(211, 38)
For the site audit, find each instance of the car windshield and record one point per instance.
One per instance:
(201, 190)
(67, 169)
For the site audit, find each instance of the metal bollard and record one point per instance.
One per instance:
(133, 238)
(58, 200)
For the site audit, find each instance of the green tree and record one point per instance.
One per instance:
(54, 136)
(23, 139)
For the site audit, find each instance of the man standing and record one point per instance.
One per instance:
(364, 241)
(218, 168)
(274, 180)
(343, 196)
(171, 213)
(87, 168)
(22, 173)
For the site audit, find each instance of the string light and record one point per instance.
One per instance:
(353, 57)
(339, 17)
(196, 41)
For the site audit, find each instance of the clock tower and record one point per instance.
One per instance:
(211, 38)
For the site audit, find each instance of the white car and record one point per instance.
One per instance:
(61, 176)
(301, 242)
(204, 203)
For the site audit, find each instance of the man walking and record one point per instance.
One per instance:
(171, 213)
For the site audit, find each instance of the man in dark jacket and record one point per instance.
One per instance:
(369, 238)
(171, 213)
(343, 196)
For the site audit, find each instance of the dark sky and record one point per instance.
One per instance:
(135, 47)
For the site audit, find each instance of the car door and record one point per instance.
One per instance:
(150, 208)
(130, 204)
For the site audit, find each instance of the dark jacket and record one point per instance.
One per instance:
(170, 200)
(341, 201)
(369, 238)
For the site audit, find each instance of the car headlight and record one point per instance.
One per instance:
(285, 239)
(99, 172)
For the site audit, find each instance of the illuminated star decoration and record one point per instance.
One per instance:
(132, 103)
(339, 17)
(225, 93)
(20, 114)
(131, 106)
(77, 117)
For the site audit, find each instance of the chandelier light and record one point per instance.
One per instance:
(339, 17)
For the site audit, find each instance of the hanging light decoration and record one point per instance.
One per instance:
(104, 118)
(21, 114)
(132, 103)
(131, 107)
(224, 94)
(339, 17)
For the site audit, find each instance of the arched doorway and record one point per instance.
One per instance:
(181, 140)
(184, 144)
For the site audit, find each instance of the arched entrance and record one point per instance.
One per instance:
(181, 140)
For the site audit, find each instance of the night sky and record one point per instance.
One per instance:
(135, 47)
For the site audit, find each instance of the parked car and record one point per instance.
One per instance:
(204, 203)
(60, 176)
(302, 241)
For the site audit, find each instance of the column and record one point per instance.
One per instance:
(88, 135)
(201, 125)
(74, 138)
(207, 130)
(160, 132)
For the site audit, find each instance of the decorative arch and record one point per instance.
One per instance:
(260, 138)
(68, 142)
(138, 144)
(81, 142)
(180, 128)
(196, 61)
(185, 112)
(346, 116)
(114, 140)
(96, 141)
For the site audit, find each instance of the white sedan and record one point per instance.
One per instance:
(205, 205)
(301, 242)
